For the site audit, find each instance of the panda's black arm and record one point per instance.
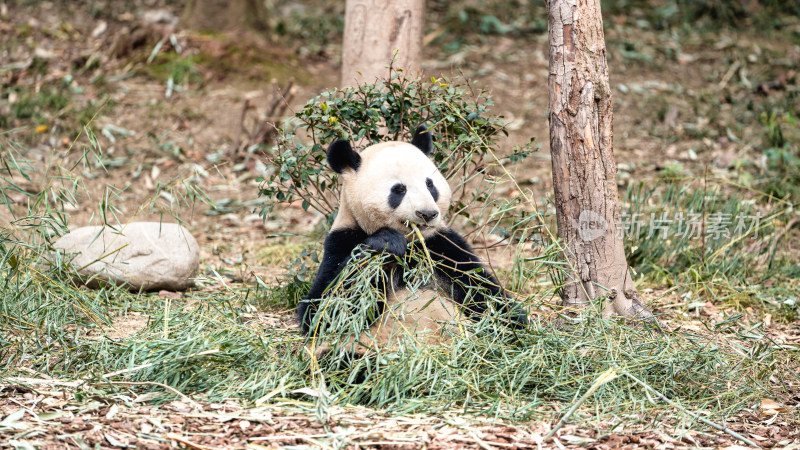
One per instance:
(339, 244)
(457, 262)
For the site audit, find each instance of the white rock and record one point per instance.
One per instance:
(99, 29)
(157, 16)
(143, 255)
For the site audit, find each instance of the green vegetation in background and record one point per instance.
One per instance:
(713, 14)
(779, 174)
(173, 66)
(300, 263)
(54, 105)
(316, 28)
(454, 24)
(711, 242)
(736, 253)
(464, 139)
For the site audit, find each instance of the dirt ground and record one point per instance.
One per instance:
(228, 425)
(150, 139)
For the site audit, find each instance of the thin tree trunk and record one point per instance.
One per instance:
(584, 172)
(224, 15)
(373, 31)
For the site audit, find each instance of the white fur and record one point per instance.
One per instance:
(422, 317)
(365, 192)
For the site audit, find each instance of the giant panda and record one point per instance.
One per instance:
(387, 191)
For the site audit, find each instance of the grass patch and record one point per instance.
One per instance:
(300, 262)
(780, 170)
(213, 347)
(710, 243)
(172, 66)
(280, 253)
(41, 108)
(53, 106)
(490, 369)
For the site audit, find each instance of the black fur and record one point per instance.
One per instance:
(339, 246)
(387, 240)
(457, 261)
(341, 156)
(345, 361)
(423, 140)
(432, 189)
(396, 195)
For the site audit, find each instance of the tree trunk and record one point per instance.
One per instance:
(584, 172)
(224, 15)
(373, 31)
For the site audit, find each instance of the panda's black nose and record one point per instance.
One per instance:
(427, 215)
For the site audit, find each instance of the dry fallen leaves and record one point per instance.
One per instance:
(770, 407)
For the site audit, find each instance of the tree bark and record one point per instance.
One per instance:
(584, 172)
(224, 15)
(373, 31)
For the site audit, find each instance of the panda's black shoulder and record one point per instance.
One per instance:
(344, 240)
(451, 244)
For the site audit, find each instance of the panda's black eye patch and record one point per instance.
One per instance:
(434, 192)
(396, 195)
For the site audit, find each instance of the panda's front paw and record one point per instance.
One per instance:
(387, 240)
(517, 316)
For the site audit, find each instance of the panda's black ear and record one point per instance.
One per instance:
(341, 156)
(423, 140)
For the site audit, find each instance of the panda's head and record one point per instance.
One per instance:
(391, 184)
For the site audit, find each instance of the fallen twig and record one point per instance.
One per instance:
(162, 385)
(186, 442)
